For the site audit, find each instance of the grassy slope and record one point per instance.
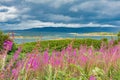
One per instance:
(60, 44)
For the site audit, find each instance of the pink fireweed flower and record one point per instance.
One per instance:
(111, 42)
(115, 49)
(102, 49)
(20, 64)
(2, 75)
(83, 60)
(46, 57)
(17, 53)
(15, 73)
(33, 61)
(52, 60)
(75, 52)
(8, 45)
(69, 49)
(82, 49)
(92, 78)
(71, 61)
(63, 52)
(56, 61)
(90, 51)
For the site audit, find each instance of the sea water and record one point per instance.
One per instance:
(53, 36)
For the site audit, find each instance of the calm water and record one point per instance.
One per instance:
(51, 36)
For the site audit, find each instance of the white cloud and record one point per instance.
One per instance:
(103, 7)
(38, 24)
(10, 13)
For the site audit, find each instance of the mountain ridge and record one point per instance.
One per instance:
(68, 30)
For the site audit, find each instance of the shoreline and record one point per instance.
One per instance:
(104, 34)
(94, 34)
(38, 37)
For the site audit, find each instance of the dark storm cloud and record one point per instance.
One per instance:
(56, 13)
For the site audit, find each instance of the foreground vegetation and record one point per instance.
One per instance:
(77, 59)
(83, 63)
(3, 37)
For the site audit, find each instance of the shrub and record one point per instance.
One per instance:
(3, 37)
(118, 35)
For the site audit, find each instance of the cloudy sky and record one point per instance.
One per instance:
(24, 14)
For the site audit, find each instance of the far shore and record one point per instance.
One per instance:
(38, 37)
(95, 34)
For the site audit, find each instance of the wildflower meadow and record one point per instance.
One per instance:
(83, 63)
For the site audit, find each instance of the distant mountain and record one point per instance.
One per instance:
(71, 30)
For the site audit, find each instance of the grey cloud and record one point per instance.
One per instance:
(62, 18)
(67, 13)
(102, 7)
(6, 0)
(52, 3)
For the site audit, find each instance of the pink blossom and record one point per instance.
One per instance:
(17, 53)
(92, 78)
(33, 61)
(75, 52)
(84, 59)
(111, 42)
(15, 73)
(8, 45)
(46, 57)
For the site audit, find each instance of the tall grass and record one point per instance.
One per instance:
(85, 63)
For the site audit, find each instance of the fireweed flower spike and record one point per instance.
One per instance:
(33, 62)
(46, 57)
(92, 78)
(17, 53)
(15, 73)
(8, 45)
(15, 57)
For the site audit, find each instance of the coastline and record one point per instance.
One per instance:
(74, 34)
(94, 34)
